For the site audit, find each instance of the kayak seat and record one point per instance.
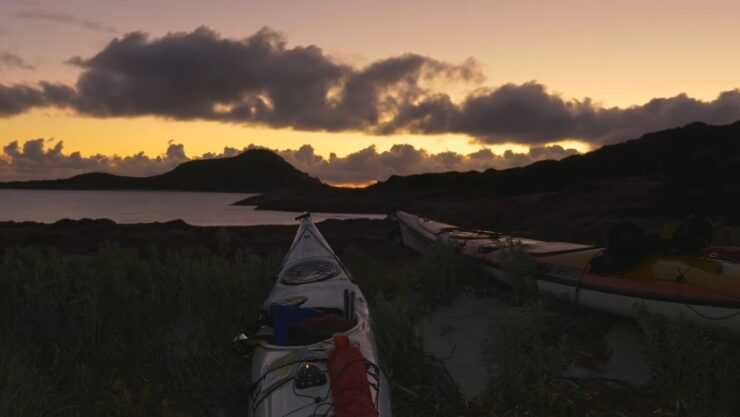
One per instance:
(284, 317)
(316, 329)
(296, 326)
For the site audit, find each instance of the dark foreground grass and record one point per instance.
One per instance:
(697, 367)
(420, 384)
(129, 333)
(121, 333)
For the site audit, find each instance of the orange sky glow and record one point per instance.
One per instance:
(618, 53)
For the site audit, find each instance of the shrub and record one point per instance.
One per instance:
(525, 353)
(521, 270)
(442, 273)
(694, 366)
(437, 277)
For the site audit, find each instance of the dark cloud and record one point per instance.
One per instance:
(260, 80)
(66, 19)
(43, 159)
(11, 60)
(18, 98)
(257, 80)
(528, 113)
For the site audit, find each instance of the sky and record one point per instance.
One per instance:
(352, 91)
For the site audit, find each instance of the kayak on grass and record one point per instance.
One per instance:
(702, 286)
(314, 350)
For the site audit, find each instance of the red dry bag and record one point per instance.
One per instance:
(350, 388)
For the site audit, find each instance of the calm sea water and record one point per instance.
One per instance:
(199, 209)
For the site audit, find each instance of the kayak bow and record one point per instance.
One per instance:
(316, 354)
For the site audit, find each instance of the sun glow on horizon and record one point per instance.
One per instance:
(354, 185)
(151, 135)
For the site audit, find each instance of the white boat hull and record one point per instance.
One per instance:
(628, 306)
(421, 234)
(273, 366)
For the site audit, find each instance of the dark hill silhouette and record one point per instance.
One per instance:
(256, 170)
(693, 155)
(671, 173)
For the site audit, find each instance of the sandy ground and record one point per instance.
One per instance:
(627, 362)
(455, 335)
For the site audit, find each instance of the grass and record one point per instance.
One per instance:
(696, 366)
(421, 386)
(123, 333)
(433, 280)
(398, 296)
(521, 271)
(526, 352)
(127, 333)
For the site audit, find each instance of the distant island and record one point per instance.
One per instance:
(253, 171)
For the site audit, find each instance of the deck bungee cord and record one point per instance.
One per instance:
(681, 279)
(321, 400)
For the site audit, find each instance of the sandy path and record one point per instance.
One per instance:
(455, 335)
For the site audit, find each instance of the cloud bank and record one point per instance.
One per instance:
(260, 80)
(44, 159)
(369, 165)
(35, 160)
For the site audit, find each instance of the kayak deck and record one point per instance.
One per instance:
(313, 294)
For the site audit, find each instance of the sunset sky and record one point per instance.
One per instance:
(136, 87)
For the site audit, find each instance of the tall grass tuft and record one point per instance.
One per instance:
(442, 274)
(434, 280)
(421, 385)
(124, 333)
(521, 271)
(525, 354)
(695, 367)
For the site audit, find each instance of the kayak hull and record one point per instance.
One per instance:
(705, 291)
(630, 306)
(275, 366)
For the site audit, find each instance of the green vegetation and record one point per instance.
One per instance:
(433, 280)
(122, 333)
(521, 270)
(695, 366)
(421, 385)
(398, 296)
(127, 333)
(527, 354)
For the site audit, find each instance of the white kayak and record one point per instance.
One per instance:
(316, 354)
(702, 289)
